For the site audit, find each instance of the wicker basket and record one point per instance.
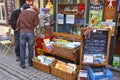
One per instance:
(38, 65)
(65, 52)
(63, 75)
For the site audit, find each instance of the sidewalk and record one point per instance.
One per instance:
(10, 70)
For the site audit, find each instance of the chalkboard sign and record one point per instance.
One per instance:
(97, 44)
(94, 47)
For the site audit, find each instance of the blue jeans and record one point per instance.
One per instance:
(17, 43)
(24, 38)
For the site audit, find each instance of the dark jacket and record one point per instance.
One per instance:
(13, 18)
(28, 20)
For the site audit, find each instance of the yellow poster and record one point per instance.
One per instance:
(50, 6)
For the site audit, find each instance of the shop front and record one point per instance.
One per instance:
(68, 21)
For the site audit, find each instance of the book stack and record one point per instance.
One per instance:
(47, 60)
(66, 67)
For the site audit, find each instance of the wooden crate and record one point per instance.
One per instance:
(65, 52)
(64, 75)
(42, 67)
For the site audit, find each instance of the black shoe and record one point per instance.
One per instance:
(30, 65)
(22, 66)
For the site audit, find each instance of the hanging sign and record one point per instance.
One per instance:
(110, 9)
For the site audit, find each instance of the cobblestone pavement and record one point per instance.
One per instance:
(10, 70)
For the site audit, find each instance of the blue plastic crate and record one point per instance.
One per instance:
(107, 75)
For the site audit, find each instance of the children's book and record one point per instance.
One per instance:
(47, 44)
(95, 18)
(88, 58)
(116, 61)
(96, 13)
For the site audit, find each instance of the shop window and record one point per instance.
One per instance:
(35, 2)
(2, 13)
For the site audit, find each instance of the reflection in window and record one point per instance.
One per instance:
(2, 13)
(35, 2)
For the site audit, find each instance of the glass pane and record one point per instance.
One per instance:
(3, 12)
(35, 2)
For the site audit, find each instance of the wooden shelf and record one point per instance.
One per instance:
(95, 64)
(66, 35)
(67, 4)
(66, 53)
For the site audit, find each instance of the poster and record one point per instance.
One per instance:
(96, 13)
(110, 9)
(60, 18)
(70, 19)
(95, 18)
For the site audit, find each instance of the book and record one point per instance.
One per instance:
(95, 18)
(116, 61)
(47, 44)
(88, 58)
(98, 58)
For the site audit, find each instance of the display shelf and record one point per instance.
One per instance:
(66, 53)
(67, 35)
(71, 9)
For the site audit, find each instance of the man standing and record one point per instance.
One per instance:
(13, 22)
(26, 23)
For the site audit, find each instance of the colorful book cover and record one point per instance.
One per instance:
(95, 18)
(96, 13)
(110, 9)
(47, 44)
(98, 58)
(116, 61)
(88, 58)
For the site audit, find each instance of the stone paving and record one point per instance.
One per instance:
(10, 70)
